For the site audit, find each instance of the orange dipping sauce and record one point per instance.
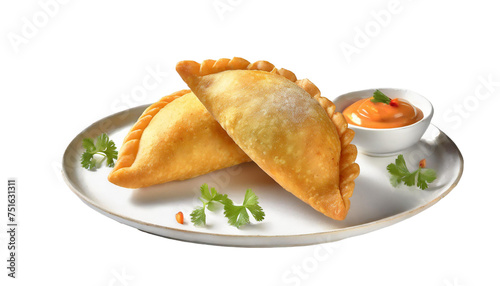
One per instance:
(366, 113)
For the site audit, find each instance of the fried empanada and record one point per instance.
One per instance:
(177, 139)
(174, 139)
(283, 125)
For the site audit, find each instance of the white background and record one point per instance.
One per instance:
(85, 59)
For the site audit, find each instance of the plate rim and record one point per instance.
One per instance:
(365, 227)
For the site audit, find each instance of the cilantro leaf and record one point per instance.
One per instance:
(397, 170)
(379, 96)
(211, 200)
(198, 216)
(103, 146)
(251, 202)
(400, 173)
(425, 176)
(88, 144)
(237, 215)
(257, 212)
(409, 179)
(101, 142)
(223, 199)
(87, 161)
(205, 193)
(250, 198)
(111, 154)
(212, 206)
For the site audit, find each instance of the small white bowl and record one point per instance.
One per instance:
(387, 141)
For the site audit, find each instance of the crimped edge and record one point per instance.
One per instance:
(348, 169)
(130, 147)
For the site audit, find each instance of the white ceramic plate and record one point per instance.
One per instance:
(288, 222)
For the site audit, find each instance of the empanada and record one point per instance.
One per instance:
(296, 138)
(177, 139)
(174, 139)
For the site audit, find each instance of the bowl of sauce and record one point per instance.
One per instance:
(386, 120)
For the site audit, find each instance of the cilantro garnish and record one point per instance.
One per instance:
(209, 198)
(103, 146)
(379, 96)
(237, 215)
(400, 173)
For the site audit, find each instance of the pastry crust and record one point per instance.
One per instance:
(174, 139)
(277, 121)
(183, 142)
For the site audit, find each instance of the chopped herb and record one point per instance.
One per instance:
(103, 146)
(379, 96)
(400, 173)
(237, 215)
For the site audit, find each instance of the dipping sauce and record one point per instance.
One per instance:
(370, 114)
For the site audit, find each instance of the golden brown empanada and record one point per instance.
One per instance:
(296, 138)
(173, 136)
(174, 139)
